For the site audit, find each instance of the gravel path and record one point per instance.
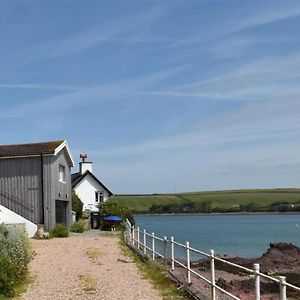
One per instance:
(85, 268)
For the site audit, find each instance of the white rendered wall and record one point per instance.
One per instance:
(9, 217)
(86, 189)
(85, 166)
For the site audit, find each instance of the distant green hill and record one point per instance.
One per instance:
(216, 201)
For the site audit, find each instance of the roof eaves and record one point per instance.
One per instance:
(65, 145)
(81, 177)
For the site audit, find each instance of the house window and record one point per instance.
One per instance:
(62, 173)
(99, 196)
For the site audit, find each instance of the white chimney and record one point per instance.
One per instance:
(85, 165)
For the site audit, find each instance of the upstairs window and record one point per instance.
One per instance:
(99, 196)
(62, 173)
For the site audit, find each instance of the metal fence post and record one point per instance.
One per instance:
(153, 246)
(282, 287)
(138, 238)
(133, 242)
(213, 274)
(256, 281)
(188, 262)
(172, 253)
(145, 242)
(165, 249)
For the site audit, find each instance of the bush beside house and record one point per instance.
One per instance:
(15, 255)
(59, 231)
(78, 226)
(112, 208)
(77, 206)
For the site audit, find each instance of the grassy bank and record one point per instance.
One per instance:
(156, 275)
(215, 201)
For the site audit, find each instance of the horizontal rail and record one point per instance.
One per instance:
(226, 292)
(199, 252)
(148, 243)
(178, 244)
(234, 265)
(148, 248)
(179, 263)
(201, 276)
(149, 235)
(292, 286)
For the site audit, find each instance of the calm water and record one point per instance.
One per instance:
(243, 235)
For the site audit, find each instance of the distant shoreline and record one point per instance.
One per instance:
(221, 214)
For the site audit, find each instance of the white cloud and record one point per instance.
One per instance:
(127, 28)
(86, 96)
(266, 79)
(39, 86)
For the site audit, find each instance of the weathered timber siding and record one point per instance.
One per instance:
(54, 189)
(20, 186)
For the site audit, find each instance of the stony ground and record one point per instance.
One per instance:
(85, 268)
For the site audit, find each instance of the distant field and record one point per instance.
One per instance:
(224, 200)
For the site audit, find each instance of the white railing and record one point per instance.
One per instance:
(162, 248)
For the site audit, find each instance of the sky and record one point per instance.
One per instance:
(164, 96)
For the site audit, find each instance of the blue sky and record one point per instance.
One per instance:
(164, 96)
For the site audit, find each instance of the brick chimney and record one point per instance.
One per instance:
(85, 165)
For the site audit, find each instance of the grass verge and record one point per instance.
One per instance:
(20, 288)
(156, 275)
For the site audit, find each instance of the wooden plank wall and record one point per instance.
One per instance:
(20, 179)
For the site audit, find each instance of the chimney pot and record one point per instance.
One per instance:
(83, 157)
(85, 165)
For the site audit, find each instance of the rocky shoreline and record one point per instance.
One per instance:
(279, 259)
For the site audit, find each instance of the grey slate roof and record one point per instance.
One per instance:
(77, 177)
(29, 149)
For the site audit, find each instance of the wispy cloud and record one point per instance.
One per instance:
(266, 79)
(126, 29)
(39, 86)
(222, 39)
(205, 170)
(86, 96)
(209, 137)
(263, 17)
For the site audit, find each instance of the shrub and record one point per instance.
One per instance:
(15, 254)
(110, 208)
(78, 226)
(77, 205)
(60, 231)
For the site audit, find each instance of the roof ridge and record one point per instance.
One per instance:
(35, 143)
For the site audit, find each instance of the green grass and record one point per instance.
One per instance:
(20, 288)
(156, 275)
(263, 198)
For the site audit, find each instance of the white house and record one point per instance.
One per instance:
(90, 190)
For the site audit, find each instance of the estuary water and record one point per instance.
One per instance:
(242, 235)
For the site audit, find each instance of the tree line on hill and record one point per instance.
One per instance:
(206, 207)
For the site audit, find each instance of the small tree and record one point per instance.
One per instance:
(112, 208)
(77, 205)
